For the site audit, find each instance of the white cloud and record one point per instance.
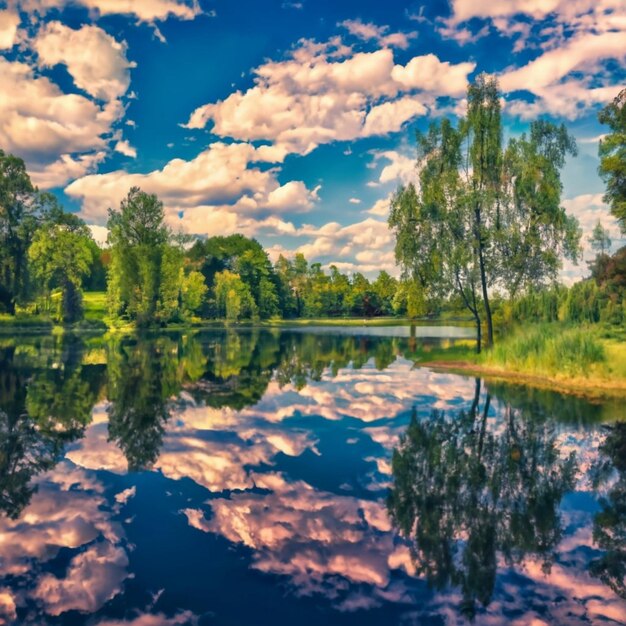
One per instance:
(183, 618)
(9, 21)
(101, 564)
(389, 117)
(380, 34)
(566, 10)
(367, 241)
(428, 73)
(99, 234)
(400, 168)
(53, 131)
(212, 189)
(354, 201)
(94, 59)
(589, 209)
(575, 40)
(65, 168)
(580, 52)
(380, 208)
(143, 10)
(123, 147)
(325, 92)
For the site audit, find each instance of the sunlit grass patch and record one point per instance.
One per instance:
(95, 304)
(550, 349)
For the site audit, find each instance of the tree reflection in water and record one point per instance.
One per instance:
(142, 376)
(467, 493)
(146, 376)
(45, 403)
(609, 524)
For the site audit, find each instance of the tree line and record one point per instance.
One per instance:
(483, 225)
(153, 276)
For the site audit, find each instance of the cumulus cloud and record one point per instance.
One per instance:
(146, 10)
(380, 207)
(574, 40)
(589, 209)
(9, 21)
(184, 618)
(60, 517)
(369, 242)
(549, 76)
(464, 10)
(214, 189)
(96, 61)
(58, 134)
(66, 167)
(323, 93)
(400, 168)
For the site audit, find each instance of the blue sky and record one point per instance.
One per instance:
(289, 121)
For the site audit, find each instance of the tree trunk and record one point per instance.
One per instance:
(483, 281)
(483, 275)
(479, 333)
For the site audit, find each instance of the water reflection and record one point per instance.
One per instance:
(154, 479)
(609, 524)
(42, 408)
(470, 492)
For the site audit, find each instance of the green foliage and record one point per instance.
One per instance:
(600, 239)
(385, 287)
(550, 350)
(60, 256)
(539, 305)
(20, 205)
(409, 300)
(194, 291)
(612, 151)
(145, 275)
(246, 258)
(484, 217)
(170, 283)
(535, 231)
(609, 523)
(583, 303)
(233, 297)
(142, 376)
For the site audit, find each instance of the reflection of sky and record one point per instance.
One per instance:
(280, 503)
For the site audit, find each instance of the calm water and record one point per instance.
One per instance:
(286, 478)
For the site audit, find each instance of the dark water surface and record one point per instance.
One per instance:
(296, 478)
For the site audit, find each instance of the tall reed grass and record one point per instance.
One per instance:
(549, 349)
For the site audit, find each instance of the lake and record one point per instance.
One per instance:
(302, 477)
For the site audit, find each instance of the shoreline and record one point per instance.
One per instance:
(589, 388)
(100, 326)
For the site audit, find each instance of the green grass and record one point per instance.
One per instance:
(550, 349)
(95, 303)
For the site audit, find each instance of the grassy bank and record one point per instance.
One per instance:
(583, 359)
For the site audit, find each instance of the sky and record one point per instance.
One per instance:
(291, 122)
